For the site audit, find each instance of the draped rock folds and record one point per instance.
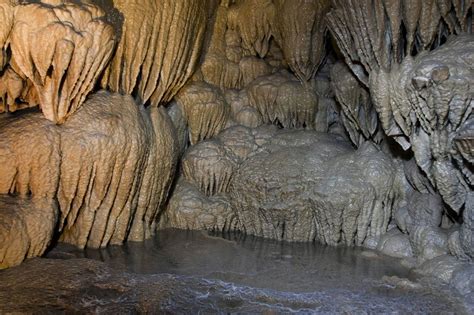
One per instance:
(61, 49)
(109, 167)
(308, 186)
(205, 110)
(358, 113)
(287, 185)
(26, 228)
(281, 98)
(432, 105)
(116, 171)
(416, 57)
(299, 29)
(159, 48)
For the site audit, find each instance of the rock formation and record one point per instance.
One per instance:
(159, 47)
(338, 121)
(295, 186)
(109, 167)
(63, 72)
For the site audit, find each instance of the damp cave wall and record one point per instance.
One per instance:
(120, 117)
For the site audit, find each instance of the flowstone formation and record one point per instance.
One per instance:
(107, 169)
(338, 121)
(421, 87)
(96, 171)
(287, 185)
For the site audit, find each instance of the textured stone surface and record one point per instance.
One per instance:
(60, 50)
(305, 186)
(198, 81)
(26, 228)
(159, 47)
(396, 244)
(291, 185)
(110, 167)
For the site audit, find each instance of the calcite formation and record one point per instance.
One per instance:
(338, 121)
(205, 110)
(299, 29)
(357, 111)
(420, 83)
(281, 98)
(295, 186)
(111, 189)
(26, 228)
(63, 72)
(159, 47)
(109, 168)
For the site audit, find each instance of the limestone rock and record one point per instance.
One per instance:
(396, 244)
(76, 46)
(159, 48)
(299, 29)
(253, 20)
(26, 228)
(314, 188)
(280, 98)
(209, 167)
(205, 110)
(190, 208)
(116, 171)
(358, 114)
(110, 167)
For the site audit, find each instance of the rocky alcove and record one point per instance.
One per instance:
(197, 155)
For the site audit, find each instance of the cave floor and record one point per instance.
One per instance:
(195, 272)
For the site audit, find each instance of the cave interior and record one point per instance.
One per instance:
(343, 123)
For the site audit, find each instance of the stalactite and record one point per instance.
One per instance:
(170, 35)
(281, 98)
(299, 29)
(253, 20)
(205, 110)
(79, 46)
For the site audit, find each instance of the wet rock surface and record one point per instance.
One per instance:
(293, 185)
(182, 272)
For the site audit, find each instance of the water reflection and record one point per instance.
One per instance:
(251, 261)
(183, 272)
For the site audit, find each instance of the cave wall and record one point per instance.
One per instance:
(345, 122)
